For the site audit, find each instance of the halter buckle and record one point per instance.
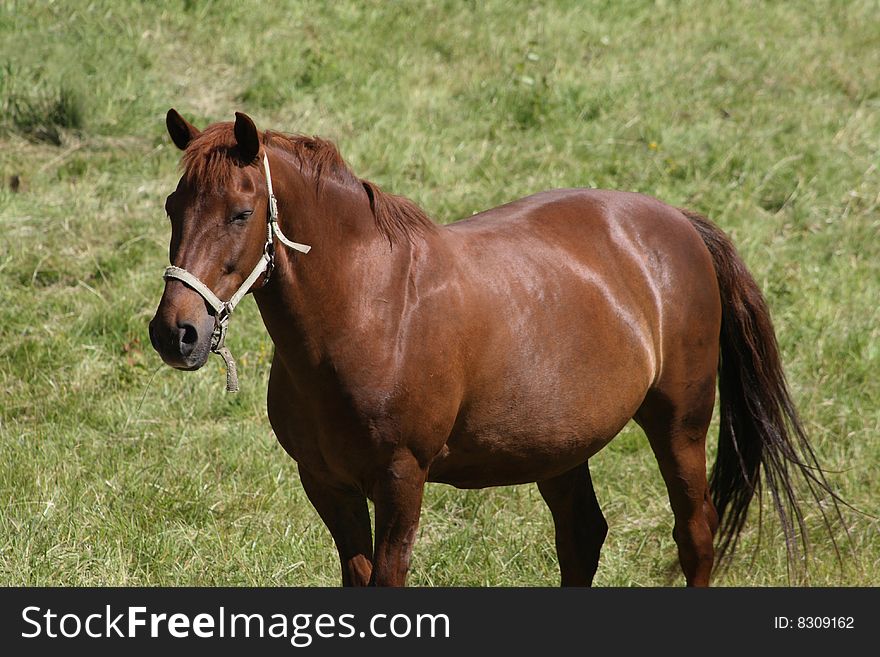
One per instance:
(273, 208)
(218, 335)
(269, 252)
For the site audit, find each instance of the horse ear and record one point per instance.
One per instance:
(182, 131)
(247, 137)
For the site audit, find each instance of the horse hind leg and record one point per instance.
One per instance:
(676, 429)
(580, 526)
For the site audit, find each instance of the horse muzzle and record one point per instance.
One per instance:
(183, 344)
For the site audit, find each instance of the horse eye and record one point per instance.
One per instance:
(240, 217)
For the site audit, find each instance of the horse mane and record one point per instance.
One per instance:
(212, 157)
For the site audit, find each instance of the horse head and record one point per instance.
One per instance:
(220, 247)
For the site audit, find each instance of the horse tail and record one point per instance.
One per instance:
(760, 429)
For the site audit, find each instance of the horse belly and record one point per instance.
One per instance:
(516, 440)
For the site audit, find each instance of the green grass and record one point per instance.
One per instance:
(117, 470)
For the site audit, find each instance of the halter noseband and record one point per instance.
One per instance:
(223, 309)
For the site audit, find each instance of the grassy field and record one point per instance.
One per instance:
(116, 470)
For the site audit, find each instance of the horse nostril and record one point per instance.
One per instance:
(188, 337)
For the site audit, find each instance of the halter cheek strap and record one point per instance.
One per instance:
(274, 228)
(223, 309)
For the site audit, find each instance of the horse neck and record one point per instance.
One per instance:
(324, 297)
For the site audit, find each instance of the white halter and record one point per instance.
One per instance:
(223, 309)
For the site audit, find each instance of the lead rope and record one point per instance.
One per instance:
(223, 309)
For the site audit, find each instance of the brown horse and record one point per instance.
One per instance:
(503, 349)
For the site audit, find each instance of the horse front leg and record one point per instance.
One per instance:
(346, 515)
(397, 495)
